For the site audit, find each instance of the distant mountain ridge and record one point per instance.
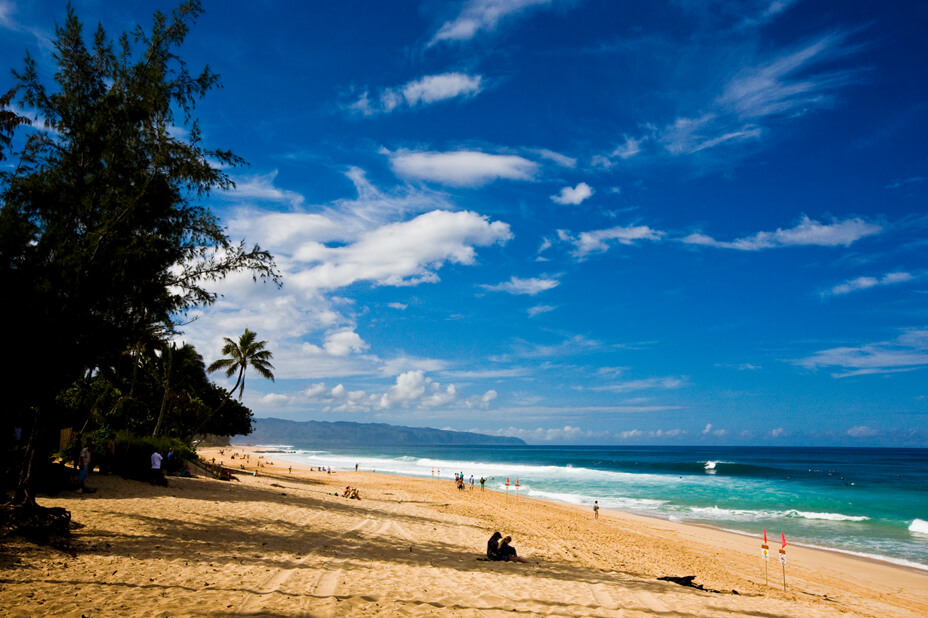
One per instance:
(344, 433)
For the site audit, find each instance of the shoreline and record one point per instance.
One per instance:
(899, 562)
(798, 553)
(286, 543)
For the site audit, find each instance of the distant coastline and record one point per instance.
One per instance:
(348, 434)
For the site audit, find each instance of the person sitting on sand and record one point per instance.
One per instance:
(355, 494)
(347, 491)
(508, 552)
(493, 547)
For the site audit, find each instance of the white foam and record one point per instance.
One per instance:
(827, 516)
(714, 512)
(920, 526)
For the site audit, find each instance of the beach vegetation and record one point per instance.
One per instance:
(106, 239)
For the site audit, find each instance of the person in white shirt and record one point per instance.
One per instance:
(156, 476)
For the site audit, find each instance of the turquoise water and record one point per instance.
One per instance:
(869, 502)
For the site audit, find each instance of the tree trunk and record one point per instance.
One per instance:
(25, 494)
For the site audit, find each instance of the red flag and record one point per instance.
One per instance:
(765, 536)
(783, 536)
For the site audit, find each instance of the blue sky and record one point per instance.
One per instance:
(582, 221)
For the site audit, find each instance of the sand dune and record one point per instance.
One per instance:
(279, 544)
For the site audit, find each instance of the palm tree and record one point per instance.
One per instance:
(238, 357)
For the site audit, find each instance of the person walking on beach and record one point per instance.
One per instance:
(595, 509)
(83, 463)
(482, 481)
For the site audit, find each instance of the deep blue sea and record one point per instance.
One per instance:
(868, 502)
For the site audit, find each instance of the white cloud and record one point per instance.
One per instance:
(599, 241)
(907, 352)
(404, 253)
(481, 401)
(644, 384)
(397, 306)
(423, 91)
(573, 195)
(433, 88)
(531, 286)
(806, 233)
(761, 91)
(343, 342)
(413, 389)
(789, 82)
(261, 188)
(539, 309)
(558, 158)
(629, 149)
(377, 237)
(862, 431)
(463, 168)
(779, 432)
(863, 283)
(477, 15)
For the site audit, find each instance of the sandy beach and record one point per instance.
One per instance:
(281, 544)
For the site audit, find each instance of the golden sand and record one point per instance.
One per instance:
(280, 544)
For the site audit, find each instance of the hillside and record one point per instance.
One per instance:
(344, 434)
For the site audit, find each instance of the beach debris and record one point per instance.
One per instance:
(688, 581)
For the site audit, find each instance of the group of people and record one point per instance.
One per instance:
(352, 493)
(499, 549)
(461, 483)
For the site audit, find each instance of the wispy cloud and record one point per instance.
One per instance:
(807, 232)
(262, 188)
(864, 283)
(898, 184)
(462, 168)
(424, 91)
(531, 286)
(664, 383)
(539, 309)
(573, 195)
(907, 352)
(599, 241)
(756, 93)
(478, 15)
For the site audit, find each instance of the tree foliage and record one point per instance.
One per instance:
(104, 233)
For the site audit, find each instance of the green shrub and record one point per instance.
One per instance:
(133, 455)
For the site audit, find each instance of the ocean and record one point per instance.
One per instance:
(866, 502)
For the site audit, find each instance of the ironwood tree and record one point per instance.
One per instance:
(105, 232)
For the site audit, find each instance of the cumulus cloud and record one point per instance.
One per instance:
(426, 90)
(863, 283)
(477, 15)
(403, 236)
(481, 402)
(413, 388)
(343, 342)
(531, 286)
(573, 195)
(907, 352)
(806, 233)
(404, 253)
(462, 168)
(599, 241)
